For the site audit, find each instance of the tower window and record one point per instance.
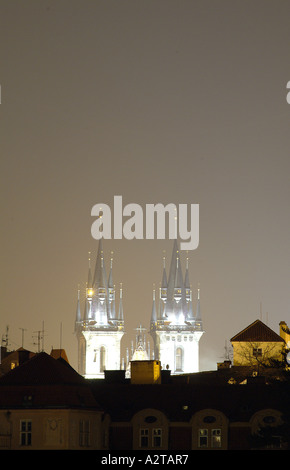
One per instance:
(179, 359)
(102, 358)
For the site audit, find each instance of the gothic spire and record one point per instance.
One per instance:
(153, 314)
(121, 313)
(90, 279)
(110, 280)
(198, 313)
(186, 282)
(78, 311)
(100, 276)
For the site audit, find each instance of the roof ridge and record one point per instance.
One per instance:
(242, 335)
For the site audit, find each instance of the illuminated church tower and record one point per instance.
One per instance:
(175, 327)
(100, 329)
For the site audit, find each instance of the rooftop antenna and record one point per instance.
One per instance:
(42, 336)
(22, 336)
(5, 340)
(39, 338)
(261, 313)
(37, 341)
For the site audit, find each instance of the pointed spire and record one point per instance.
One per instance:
(100, 276)
(172, 270)
(164, 277)
(113, 306)
(178, 281)
(102, 284)
(121, 313)
(198, 313)
(78, 311)
(90, 279)
(153, 314)
(87, 311)
(163, 289)
(190, 317)
(186, 281)
(110, 281)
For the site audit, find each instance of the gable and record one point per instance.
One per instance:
(258, 331)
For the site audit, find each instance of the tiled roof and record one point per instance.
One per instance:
(257, 331)
(42, 369)
(44, 382)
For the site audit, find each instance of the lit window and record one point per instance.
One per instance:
(157, 437)
(179, 359)
(257, 352)
(202, 438)
(144, 437)
(25, 432)
(102, 359)
(216, 438)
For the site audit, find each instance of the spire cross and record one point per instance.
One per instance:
(140, 329)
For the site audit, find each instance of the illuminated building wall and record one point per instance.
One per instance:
(175, 327)
(100, 329)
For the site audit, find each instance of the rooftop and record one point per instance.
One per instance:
(257, 331)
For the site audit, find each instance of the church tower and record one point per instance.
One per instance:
(100, 329)
(175, 327)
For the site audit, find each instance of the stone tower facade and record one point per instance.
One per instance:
(100, 328)
(176, 327)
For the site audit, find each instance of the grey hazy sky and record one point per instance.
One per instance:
(158, 101)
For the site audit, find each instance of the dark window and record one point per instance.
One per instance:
(25, 432)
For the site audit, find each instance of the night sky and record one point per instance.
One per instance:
(158, 101)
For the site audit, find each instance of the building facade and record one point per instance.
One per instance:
(257, 345)
(100, 328)
(176, 328)
(46, 405)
